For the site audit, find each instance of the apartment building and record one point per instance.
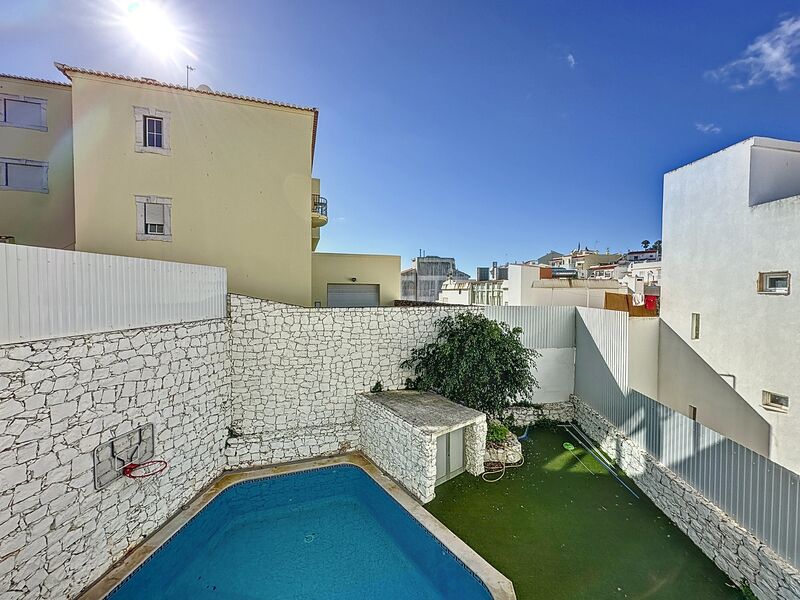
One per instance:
(530, 285)
(36, 187)
(582, 259)
(168, 172)
(423, 281)
(740, 210)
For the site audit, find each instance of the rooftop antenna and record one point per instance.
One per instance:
(188, 68)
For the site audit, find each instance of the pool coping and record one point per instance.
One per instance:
(499, 586)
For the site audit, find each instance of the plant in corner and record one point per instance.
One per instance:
(476, 362)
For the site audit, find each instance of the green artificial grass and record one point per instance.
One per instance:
(560, 532)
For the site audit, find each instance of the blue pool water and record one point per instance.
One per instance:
(329, 533)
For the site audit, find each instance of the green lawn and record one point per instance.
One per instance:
(560, 532)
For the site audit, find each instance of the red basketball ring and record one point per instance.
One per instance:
(130, 470)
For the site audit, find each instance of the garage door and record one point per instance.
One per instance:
(353, 294)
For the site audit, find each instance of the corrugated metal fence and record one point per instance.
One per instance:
(759, 494)
(542, 326)
(47, 293)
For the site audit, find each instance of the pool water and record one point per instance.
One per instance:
(329, 533)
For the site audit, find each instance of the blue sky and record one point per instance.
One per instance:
(480, 130)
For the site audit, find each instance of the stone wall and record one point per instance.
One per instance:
(405, 447)
(296, 372)
(59, 399)
(398, 448)
(563, 412)
(734, 550)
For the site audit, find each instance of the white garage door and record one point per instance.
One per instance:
(353, 294)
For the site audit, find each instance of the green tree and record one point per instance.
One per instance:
(657, 245)
(476, 362)
(645, 244)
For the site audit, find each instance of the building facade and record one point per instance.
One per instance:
(423, 281)
(740, 210)
(162, 171)
(530, 285)
(36, 186)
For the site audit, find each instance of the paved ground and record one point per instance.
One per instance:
(560, 532)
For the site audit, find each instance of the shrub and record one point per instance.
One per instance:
(496, 432)
(378, 387)
(476, 362)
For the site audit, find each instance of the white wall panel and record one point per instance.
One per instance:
(46, 293)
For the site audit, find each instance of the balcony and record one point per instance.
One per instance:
(319, 210)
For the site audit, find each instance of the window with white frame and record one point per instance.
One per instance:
(152, 130)
(23, 111)
(774, 282)
(23, 175)
(153, 218)
(775, 401)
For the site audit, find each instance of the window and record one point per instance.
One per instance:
(152, 130)
(24, 175)
(776, 282)
(695, 326)
(693, 412)
(775, 401)
(153, 218)
(22, 111)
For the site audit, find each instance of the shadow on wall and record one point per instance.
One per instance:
(684, 379)
(759, 494)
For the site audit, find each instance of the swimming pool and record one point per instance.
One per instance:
(330, 532)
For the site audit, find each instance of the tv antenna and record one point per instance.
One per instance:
(188, 68)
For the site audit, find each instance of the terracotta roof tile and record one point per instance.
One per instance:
(36, 79)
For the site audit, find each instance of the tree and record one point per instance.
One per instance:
(476, 362)
(645, 244)
(657, 246)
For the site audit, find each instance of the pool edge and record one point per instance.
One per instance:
(499, 586)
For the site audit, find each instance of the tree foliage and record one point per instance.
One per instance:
(476, 362)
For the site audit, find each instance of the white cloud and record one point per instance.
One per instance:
(771, 57)
(570, 58)
(707, 128)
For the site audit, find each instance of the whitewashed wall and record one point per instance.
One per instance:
(59, 399)
(46, 293)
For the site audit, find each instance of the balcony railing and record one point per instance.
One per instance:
(319, 205)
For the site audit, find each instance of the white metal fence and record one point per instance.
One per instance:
(759, 494)
(542, 326)
(47, 293)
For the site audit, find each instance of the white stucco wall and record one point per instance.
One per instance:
(715, 245)
(555, 372)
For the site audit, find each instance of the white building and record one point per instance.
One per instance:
(423, 281)
(637, 277)
(530, 285)
(740, 210)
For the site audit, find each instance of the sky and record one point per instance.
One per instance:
(494, 130)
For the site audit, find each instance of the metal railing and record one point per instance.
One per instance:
(319, 205)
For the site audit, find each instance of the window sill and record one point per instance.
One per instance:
(775, 409)
(766, 293)
(154, 150)
(20, 189)
(148, 237)
(33, 127)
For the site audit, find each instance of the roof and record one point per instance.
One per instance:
(603, 267)
(67, 69)
(36, 79)
(426, 411)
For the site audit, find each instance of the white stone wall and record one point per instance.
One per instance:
(408, 453)
(59, 399)
(398, 448)
(296, 372)
(734, 550)
(563, 412)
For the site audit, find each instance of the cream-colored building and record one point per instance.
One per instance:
(191, 175)
(530, 285)
(36, 190)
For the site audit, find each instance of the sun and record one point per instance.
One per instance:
(153, 28)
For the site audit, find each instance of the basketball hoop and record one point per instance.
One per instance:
(145, 469)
